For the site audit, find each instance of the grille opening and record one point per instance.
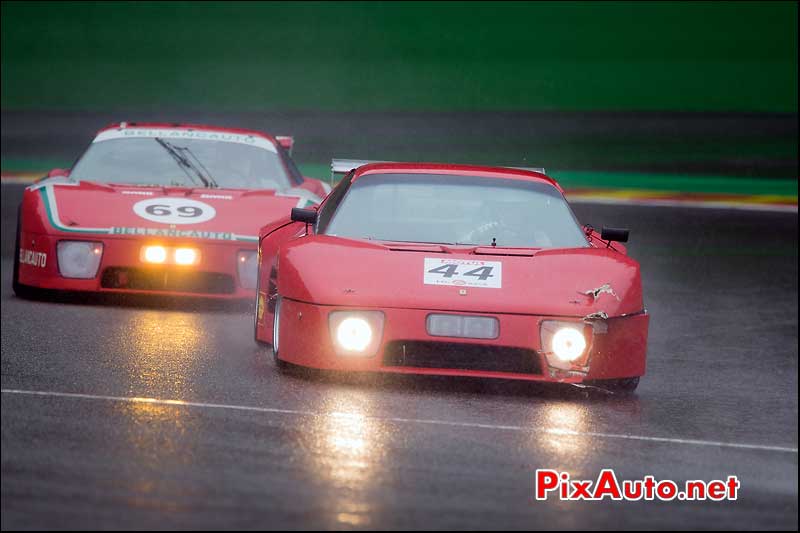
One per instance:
(146, 279)
(461, 356)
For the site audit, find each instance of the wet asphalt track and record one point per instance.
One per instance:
(721, 287)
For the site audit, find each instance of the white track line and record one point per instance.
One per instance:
(551, 431)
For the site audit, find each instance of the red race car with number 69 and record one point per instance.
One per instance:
(451, 270)
(155, 208)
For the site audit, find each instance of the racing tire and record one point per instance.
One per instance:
(623, 385)
(282, 366)
(255, 314)
(22, 291)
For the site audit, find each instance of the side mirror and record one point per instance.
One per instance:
(307, 216)
(615, 234)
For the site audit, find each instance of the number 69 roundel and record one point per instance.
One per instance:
(463, 273)
(174, 210)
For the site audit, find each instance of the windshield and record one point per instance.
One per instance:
(181, 162)
(456, 210)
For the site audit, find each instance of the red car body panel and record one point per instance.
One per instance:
(314, 275)
(568, 273)
(56, 209)
(306, 341)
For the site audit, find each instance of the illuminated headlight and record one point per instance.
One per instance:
(79, 259)
(568, 344)
(186, 256)
(154, 254)
(356, 332)
(247, 265)
(563, 342)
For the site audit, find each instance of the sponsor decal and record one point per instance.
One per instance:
(463, 273)
(174, 232)
(47, 193)
(138, 193)
(32, 257)
(185, 133)
(174, 210)
(217, 196)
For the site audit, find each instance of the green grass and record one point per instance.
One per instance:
(675, 56)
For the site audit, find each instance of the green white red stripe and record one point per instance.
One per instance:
(51, 208)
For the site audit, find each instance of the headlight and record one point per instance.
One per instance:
(159, 255)
(186, 256)
(563, 343)
(247, 265)
(79, 259)
(356, 332)
(568, 344)
(154, 254)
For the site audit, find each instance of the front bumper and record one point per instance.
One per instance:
(618, 348)
(122, 270)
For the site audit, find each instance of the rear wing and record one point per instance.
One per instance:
(538, 170)
(340, 167)
(286, 142)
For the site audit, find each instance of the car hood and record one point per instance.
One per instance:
(228, 214)
(329, 270)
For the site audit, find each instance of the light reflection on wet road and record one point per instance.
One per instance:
(165, 345)
(338, 460)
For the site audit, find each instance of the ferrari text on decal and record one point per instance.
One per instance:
(463, 273)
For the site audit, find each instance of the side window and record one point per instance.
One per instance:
(294, 172)
(329, 206)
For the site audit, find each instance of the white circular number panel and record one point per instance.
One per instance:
(174, 210)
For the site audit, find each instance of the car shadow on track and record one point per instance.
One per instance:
(142, 301)
(444, 385)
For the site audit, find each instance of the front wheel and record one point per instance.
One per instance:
(22, 291)
(623, 385)
(276, 323)
(259, 308)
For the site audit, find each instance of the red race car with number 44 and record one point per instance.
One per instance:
(158, 209)
(451, 270)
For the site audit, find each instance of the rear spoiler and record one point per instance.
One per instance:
(340, 167)
(286, 142)
(538, 170)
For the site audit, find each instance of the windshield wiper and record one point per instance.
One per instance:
(208, 177)
(183, 162)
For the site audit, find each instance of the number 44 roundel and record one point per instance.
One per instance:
(463, 273)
